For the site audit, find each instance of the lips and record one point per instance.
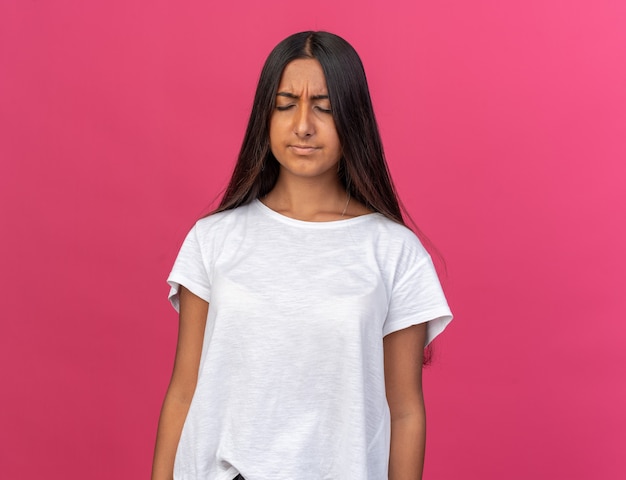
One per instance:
(303, 149)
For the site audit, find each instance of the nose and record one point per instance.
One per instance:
(303, 122)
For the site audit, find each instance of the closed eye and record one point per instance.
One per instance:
(282, 108)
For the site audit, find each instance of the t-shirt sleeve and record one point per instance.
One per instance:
(190, 271)
(416, 294)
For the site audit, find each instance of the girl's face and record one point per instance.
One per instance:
(303, 137)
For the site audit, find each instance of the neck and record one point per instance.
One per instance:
(308, 198)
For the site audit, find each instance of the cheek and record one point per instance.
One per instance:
(276, 143)
(336, 145)
(273, 132)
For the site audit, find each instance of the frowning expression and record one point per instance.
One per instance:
(303, 137)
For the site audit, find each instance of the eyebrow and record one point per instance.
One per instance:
(296, 97)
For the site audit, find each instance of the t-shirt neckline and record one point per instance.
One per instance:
(307, 223)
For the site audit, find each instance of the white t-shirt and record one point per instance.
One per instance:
(291, 380)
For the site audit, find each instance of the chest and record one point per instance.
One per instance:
(305, 284)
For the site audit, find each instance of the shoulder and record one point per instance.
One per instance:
(394, 234)
(211, 233)
(395, 246)
(222, 221)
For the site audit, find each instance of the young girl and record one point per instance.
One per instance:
(305, 302)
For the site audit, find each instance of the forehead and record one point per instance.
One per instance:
(303, 75)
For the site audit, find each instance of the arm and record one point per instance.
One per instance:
(193, 314)
(404, 351)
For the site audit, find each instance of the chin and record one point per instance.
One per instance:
(307, 168)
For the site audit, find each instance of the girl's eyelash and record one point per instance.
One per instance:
(282, 108)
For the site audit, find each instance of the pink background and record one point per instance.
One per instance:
(505, 129)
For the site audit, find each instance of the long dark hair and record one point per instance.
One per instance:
(362, 170)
